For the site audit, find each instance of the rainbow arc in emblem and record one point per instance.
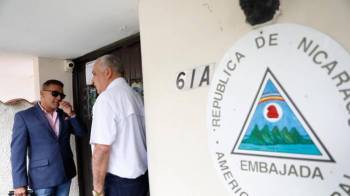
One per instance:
(275, 127)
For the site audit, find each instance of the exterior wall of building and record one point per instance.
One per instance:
(17, 72)
(180, 35)
(7, 113)
(22, 81)
(54, 69)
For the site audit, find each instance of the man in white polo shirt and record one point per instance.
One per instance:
(118, 140)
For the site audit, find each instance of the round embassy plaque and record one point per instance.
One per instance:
(279, 114)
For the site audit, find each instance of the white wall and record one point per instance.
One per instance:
(17, 72)
(54, 69)
(22, 75)
(179, 35)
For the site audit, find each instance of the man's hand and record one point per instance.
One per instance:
(21, 191)
(67, 108)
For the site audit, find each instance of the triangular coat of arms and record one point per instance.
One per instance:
(275, 127)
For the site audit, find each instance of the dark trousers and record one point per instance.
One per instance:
(117, 186)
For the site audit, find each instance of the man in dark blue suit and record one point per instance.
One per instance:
(43, 132)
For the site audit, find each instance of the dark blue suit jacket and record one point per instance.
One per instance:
(50, 157)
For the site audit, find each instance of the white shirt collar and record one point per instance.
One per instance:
(116, 82)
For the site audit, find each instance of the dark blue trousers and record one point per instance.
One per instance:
(117, 186)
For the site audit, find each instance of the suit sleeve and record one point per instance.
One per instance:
(19, 144)
(77, 127)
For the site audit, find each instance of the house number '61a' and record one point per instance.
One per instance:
(194, 78)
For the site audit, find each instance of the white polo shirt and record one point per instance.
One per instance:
(118, 121)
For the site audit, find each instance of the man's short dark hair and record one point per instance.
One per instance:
(51, 82)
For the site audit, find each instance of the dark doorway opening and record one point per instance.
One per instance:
(129, 52)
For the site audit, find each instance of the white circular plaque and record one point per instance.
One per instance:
(278, 114)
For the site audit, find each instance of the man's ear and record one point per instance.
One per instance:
(108, 72)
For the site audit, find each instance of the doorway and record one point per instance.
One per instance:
(129, 52)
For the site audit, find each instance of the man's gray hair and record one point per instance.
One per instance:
(113, 62)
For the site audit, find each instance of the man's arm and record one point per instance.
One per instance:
(19, 144)
(67, 108)
(100, 158)
(78, 129)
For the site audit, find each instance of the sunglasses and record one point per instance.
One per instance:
(56, 93)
